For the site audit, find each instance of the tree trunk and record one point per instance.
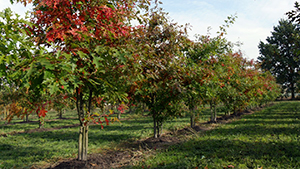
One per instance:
(5, 114)
(60, 114)
(193, 118)
(83, 131)
(159, 127)
(192, 111)
(293, 91)
(41, 122)
(83, 143)
(119, 115)
(215, 112)
(154, 125)
(211, 112)
(27, 117)
(213, 116)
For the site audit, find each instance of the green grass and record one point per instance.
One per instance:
(51, 121)
(28, 149)
(268, 139)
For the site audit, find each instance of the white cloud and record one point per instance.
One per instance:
(16, 7)
(255, 21)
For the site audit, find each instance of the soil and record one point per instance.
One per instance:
(126, 155)
(130, 152)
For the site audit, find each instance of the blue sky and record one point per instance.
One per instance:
(255, 21)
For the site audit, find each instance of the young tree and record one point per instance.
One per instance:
(90, 57)
(159, 87)
(18, 49)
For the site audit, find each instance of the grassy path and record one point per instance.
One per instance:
(265, 139)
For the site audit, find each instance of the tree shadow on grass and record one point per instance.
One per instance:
(253, 143)
(12, 156)
(95, 133)
(215, 153)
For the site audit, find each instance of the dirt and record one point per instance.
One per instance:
(128, 153)
(110, 159)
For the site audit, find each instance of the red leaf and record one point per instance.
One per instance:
(43, 112)
(107, 122)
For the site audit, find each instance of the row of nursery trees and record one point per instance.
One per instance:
(87, 54)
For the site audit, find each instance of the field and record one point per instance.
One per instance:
(265, 139)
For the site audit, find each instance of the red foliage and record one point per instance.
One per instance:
(42, 112)
(106, 120)
(74, 20)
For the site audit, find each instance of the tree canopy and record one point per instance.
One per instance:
(280, 55)
(88, 52)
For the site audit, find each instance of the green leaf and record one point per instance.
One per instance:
(81, 54)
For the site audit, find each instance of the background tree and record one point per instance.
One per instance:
(17, 49)
(160, 43)
(280, 55)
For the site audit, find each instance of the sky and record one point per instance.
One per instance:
(256, 18)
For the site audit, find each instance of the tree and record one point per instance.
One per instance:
(90, 58)
(280, 54)
(205, 59)
(159, 87)
(17, 49)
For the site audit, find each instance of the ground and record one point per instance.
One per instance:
(127, 153)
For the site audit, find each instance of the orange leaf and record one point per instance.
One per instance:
(94, 165)
(43, 112)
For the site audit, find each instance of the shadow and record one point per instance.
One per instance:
(268, 139)
(259, 130)
(220, 153)
(245, 144)
(20, 126)
(17, 156)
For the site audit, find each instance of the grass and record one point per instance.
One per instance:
(41, 148)
(267, 139)
(51, 121)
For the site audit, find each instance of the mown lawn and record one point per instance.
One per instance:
(40, 148)
(51, 120)
(265, 139)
